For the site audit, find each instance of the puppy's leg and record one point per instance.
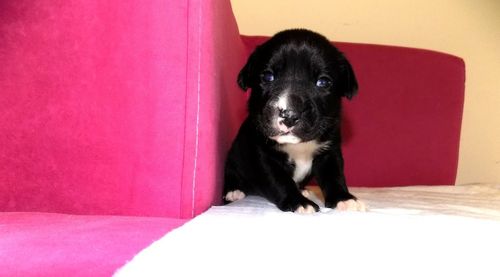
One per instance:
(329, 172)
(282, 190)
(233, 188)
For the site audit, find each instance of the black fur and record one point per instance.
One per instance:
(291, 63)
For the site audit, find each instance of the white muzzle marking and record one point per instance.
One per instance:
(278, 122)
(283, 139)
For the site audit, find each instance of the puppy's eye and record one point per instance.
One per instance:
(324, 82)
(267, 76)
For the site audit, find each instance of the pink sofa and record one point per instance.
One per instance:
(115, 118)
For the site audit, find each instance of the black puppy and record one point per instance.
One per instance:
(292, 131)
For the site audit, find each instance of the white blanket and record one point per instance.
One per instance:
(418, 231)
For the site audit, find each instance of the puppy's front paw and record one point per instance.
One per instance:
(351, 205)
(307, 209)
(300, 205)
(234, 195)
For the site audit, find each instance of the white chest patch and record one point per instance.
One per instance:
(302, 155)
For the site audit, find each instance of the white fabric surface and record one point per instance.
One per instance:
(473, 200)
(417, 231)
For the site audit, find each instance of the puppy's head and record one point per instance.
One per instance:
(297, 79)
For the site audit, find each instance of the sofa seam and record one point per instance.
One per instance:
(197, 126)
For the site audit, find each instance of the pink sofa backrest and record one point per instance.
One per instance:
(116, 107)
(403, 127)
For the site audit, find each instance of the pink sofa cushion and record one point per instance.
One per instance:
(403, 128)
(45, 244)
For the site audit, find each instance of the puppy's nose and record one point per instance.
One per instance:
(290, 117)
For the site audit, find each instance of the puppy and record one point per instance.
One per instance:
(292, 132)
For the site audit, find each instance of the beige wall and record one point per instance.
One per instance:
(466, 28)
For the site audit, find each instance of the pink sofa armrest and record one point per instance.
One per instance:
(117, 108)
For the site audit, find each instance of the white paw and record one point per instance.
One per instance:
(306, 193)
(234, 195)
(351, 205)
(308, 209)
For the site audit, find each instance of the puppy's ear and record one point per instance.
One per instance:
(347, 83)
(245, 75)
